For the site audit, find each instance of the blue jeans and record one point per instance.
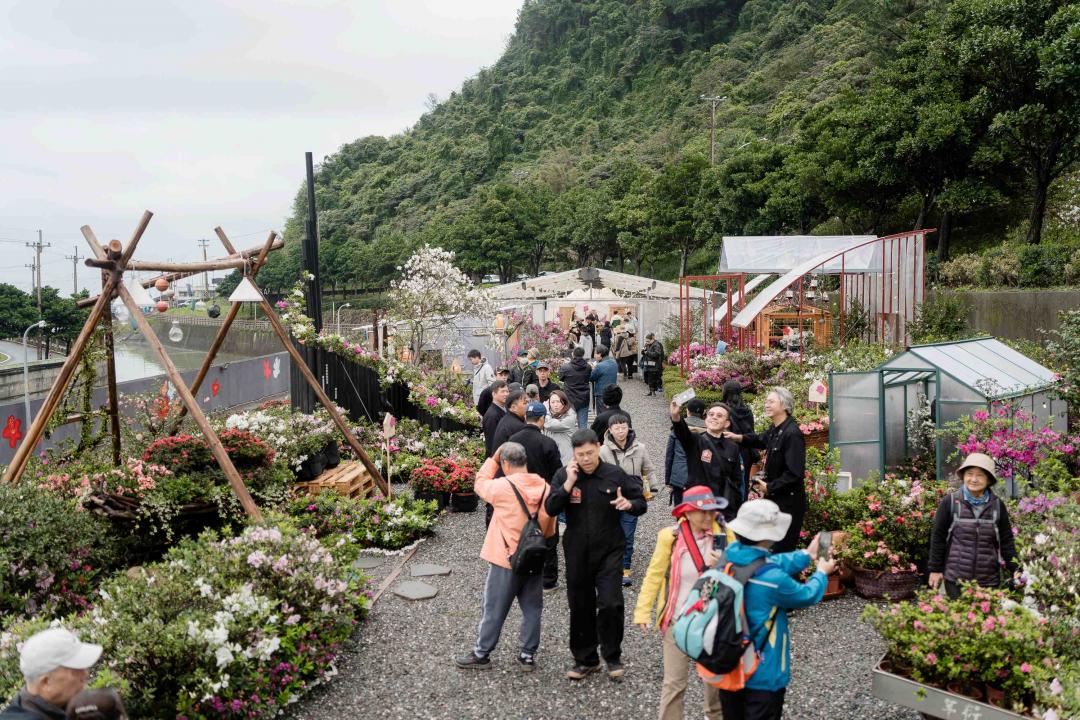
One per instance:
(583, 417)
(629, 526)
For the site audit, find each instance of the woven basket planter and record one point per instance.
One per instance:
(877, 584)
(817, 438)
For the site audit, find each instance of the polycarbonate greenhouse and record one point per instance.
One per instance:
(869, 411)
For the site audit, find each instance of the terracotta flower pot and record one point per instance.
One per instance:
(995, 696)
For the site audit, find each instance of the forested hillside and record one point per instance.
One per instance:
(589, 140)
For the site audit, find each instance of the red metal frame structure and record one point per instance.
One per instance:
(709, 286)
(883, 294)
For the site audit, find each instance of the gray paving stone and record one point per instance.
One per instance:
(367, 562)
(415, 590)
(427, 570)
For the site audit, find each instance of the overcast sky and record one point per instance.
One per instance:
(201, 110)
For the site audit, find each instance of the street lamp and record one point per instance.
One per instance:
(26, 369)
(337, 317)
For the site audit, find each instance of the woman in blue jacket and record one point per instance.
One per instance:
(771, 591)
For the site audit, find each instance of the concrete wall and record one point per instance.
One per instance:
(41, 375)
(1016, 313)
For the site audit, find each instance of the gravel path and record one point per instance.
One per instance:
(402, 663)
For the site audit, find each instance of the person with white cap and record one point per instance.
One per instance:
(771, 591)
(972, 537)
(56, 666)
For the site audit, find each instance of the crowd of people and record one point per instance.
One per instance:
(737, 500)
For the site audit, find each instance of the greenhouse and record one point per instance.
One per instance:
(869, 411)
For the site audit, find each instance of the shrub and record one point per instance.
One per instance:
(1064, 351)
(942, 317)
(51, 554)
(961, 271)
(294, 436)
(1000, 267)
(381, 523)
(442, 474)
(222, 628)
(1043, 265)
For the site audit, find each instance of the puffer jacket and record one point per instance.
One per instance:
(774, 589)
(977, 549)
(654, 587)
(575, 378)
(633, 459)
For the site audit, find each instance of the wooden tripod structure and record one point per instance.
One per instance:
(113, 260)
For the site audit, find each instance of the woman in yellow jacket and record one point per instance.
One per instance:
(671, 575)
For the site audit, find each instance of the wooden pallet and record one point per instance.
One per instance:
(350, 479)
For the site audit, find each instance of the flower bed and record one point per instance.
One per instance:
(375, 522)
(222, 627)
(293, 435)
(414, 441)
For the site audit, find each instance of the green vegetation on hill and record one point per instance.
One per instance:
(587, 142)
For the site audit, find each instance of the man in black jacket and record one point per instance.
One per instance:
(512, 421)
(593, 493)
(612, 398)
(493, 415)
(542, 454)
(575, 377)
(711, 459)
(544, 383)
(484, 401)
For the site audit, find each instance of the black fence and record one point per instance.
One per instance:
(356, 388)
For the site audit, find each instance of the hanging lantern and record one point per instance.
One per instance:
(406, 355)
(789, 294)
(162, 306)
(161, 284)
(456, 365)
(119, 311)
(500, 321)
(175, 333)
(245, 292)
(213, 311)
(139, 294)
(813, 282)
(810, 294)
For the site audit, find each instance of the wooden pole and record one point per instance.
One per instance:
(219, 339)
(161, 266)
(343, 426)
(174, 276)
(225, 240)
(218, 450)
(92, 241)
(110, 368)
(60, 384)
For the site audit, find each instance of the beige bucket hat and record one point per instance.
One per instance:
(761, 520)
(979, 460)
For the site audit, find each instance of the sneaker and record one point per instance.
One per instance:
(580, 671)
(626, 578)
(615, 672)
(526, 663)
(553, 586)
(647, 493)
(472, 661)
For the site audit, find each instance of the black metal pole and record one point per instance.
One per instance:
(312, 290)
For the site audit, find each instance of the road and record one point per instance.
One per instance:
(14, 353)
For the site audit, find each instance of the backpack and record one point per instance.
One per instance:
(711, 626)
(532, 548)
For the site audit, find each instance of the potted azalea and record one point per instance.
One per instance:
(462, 497)
(431, 481)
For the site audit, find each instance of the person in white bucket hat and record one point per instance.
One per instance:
(56, 666)
(771, 590)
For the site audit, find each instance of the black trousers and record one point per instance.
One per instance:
(551, 560)
(794, 505)
(652, 379)
(752, 704)
(594, 592)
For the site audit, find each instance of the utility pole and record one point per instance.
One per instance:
(713, 101)
(38, 246)
(75, 270)
(33, 284)
(205, 283)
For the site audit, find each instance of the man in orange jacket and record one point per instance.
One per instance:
(501, 541)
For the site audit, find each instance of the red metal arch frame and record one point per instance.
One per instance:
(710, 285)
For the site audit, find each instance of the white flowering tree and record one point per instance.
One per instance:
(431, 296)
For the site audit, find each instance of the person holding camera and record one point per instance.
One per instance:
(770, 591)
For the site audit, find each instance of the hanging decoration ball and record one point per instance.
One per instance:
(168, 293)
(213, 311)
(162, 306)
(161, 284)
(120, 312)
(200, 305)
(175, 333)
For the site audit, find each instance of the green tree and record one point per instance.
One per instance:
(578, 224)
(19, 311)
(673, 194)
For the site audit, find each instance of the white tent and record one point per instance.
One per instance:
(586, 280)
(780, 253)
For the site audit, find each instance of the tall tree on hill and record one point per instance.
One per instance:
(673, 195)
(1021, 61)
(577, 224)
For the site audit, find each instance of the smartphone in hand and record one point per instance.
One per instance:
(824, 544)
(684, 397)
